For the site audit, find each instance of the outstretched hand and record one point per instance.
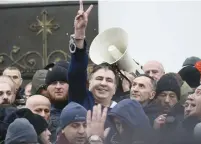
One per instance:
(96, 121)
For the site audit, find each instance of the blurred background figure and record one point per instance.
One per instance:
(154, 69)
(27, 90)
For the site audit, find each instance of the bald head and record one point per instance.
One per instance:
(154, 69)
(40, 105)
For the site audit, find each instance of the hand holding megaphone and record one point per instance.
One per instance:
(126, 83)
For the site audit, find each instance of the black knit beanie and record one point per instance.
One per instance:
(20, 113)
(57, 73)
(168, 83)
(191, 75)
(21, 131)
(38, 122)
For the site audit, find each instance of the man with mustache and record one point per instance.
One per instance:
(172, 112)
(57, 89)
(7, 90)
(168, 92)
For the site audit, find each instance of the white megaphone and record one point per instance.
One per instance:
(110, 46)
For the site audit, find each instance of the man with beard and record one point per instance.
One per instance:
(57, 88)
(172, 112)
(7, 98)
(7, 91)
(102, 81)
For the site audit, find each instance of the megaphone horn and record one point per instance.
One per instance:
(110, 46)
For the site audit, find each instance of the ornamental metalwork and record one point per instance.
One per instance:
(45, 27)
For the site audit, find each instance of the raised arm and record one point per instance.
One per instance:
(77, 74)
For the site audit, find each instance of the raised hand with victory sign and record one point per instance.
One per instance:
(80, 24)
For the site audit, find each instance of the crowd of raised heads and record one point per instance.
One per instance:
(65, 104)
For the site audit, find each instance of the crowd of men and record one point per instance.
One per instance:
(64, 104)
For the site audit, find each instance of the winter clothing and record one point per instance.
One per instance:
(77, 76)
(191, 61)
(136, 125)
(38, 81)
(168, 83)
(20, 131)
(38, 122)
(191, 75)
(73, 112)
(57, 73)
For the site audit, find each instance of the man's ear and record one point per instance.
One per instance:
(89, 82)
(21, 80)
(153, 93)
(106, 132)
(115, 90)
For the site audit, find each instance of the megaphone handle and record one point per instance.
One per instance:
(119, 71)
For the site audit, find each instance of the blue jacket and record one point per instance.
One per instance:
(136, 124)
(77, 78)
(78, 92)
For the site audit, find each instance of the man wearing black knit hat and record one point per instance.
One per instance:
(57, 89)
(168, 92)
(172, 112)
(191, 75)
(57, 86)
(39, 123)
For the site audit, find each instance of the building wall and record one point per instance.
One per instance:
(164, 31)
